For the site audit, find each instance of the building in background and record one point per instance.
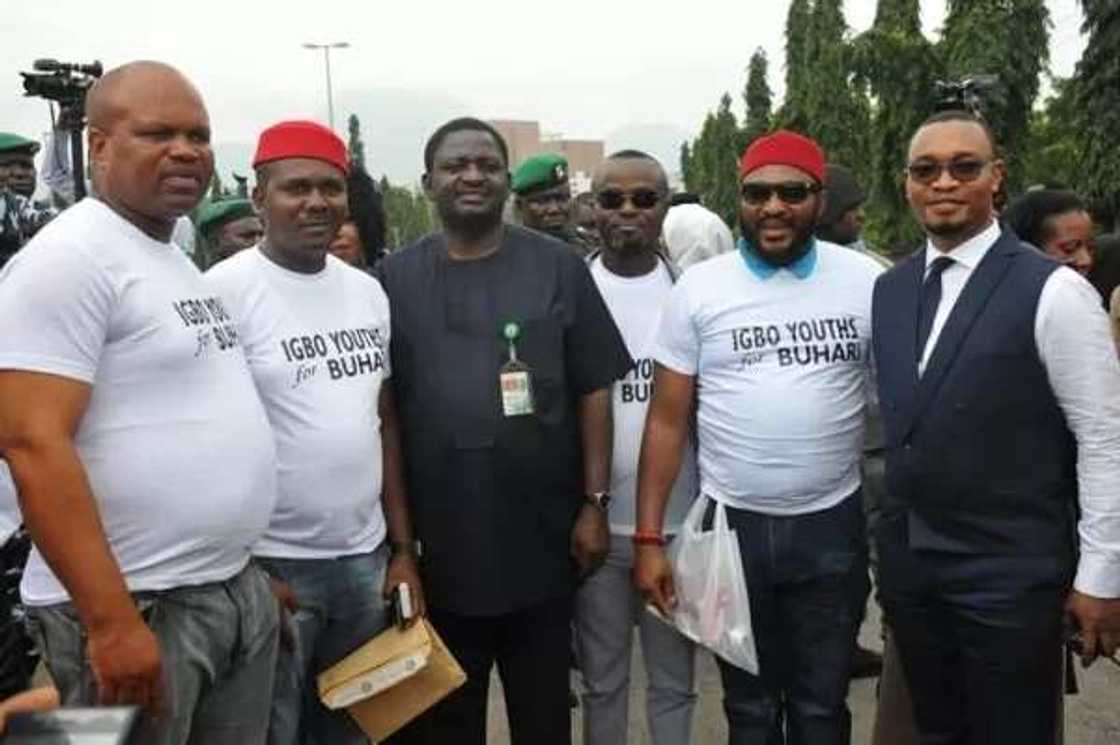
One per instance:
(524, 139)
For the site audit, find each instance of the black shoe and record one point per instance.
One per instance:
(866, 663)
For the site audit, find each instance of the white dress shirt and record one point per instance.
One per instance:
(1075, 347)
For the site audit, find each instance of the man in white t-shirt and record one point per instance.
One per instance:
(773, 342)
(316, 334)
(634, 278)
(142, 456)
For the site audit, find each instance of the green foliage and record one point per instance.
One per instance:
(1053, 147)
(824, 97)
(1097, 102)
(757, 97)
(799, 65)
(407, 214)
(356, 146)
(899, 66)
(686, 164)
(710, 167)
(1009, 38)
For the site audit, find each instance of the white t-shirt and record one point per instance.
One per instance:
(317, 345)
(782, 371)
(174, 440)
(636, 303)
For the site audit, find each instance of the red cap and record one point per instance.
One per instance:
(784, 148)
(301, 139)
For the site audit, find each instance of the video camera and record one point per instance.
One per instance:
(967, 94)
(63, 82)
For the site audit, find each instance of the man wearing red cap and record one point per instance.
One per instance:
(775, 340)
(143, 458)
(316, 334)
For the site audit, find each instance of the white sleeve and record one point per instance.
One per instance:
(677, 345)
(55, 310)
(1075, 345)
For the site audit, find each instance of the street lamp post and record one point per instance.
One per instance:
(327, 63)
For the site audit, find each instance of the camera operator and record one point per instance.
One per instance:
(20, 218)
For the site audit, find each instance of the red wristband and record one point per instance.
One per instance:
(648, 538)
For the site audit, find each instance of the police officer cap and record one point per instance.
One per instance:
(13, 143)
(215, 214)
(540, 172)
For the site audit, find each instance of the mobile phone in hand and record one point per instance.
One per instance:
(401, 602)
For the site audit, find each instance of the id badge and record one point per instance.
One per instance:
(515, 378)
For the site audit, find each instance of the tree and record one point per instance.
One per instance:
(837, 104)
(1009, 38)
(1098, 109)
(824, 98)
(686, 164)
(899, 66)
(757, 97)
(1053, 142)
(713, 160)
(407, 214)
(795, 114)
(356, 146)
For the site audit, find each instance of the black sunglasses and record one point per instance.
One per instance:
(790, 192)
(961, 169)
(613, 199)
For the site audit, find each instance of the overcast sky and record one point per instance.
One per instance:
(592, 68)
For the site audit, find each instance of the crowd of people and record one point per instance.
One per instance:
(223, 477)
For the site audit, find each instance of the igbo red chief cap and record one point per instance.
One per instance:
(784, 148)
(301, 139)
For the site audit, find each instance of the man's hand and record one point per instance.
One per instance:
(653, 576)
(591, 539)
(127, 664)
(288, 604)
(403, 568)
(1098, 620)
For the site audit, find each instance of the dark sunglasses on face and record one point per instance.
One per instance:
(790, 192)
(961, 169)
(613, 199)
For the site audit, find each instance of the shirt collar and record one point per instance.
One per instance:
(971, 251)
(763, 269)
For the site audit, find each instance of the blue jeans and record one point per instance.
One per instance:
(218, 643)
(807, 579)
(340, 608)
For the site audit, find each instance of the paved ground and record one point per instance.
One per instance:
(1092, 717)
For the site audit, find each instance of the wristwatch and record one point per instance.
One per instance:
(601, 500)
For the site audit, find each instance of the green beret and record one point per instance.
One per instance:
(13, 143)
(540, 172)
(215, 214)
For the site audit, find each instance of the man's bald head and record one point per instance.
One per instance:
(125, 86)
(149, 143)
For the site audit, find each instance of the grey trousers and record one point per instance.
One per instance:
(219, 652)
(607, 607)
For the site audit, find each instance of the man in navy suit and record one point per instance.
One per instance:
(1000, 393)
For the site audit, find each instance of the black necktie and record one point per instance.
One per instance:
(931, 298)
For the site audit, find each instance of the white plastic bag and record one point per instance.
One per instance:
(712, 603)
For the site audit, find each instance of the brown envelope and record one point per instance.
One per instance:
(392, 679)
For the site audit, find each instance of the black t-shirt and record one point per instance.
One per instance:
(494, 497)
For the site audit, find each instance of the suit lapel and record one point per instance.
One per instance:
(973, 298)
